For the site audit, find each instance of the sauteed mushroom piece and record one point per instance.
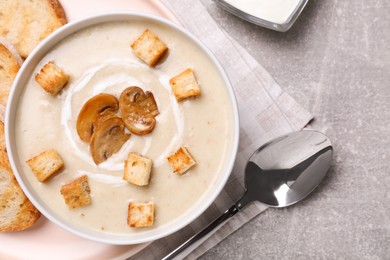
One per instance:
(94, 107)
(138, 109)
(106, 114)
(107, 139)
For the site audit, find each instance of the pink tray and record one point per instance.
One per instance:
(45, 240)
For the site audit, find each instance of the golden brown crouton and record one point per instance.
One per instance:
(181, 161)
(140, 214)
(185, 85)
(45, 164)
(149, 48)
(137, 169)
(76, 193)
(51, 78)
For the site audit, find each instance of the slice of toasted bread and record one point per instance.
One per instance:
(16, 211)
(25, 23)
(4, 162)
(10, 63)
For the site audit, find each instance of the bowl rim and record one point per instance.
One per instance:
(64, 32)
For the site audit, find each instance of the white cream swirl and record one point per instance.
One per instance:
(113, 77)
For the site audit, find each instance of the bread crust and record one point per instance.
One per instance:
(10, 62)
(58, 10)
(13, 200)
(16, 211)
(9, 67)
(25, 23)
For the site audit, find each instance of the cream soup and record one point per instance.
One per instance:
(99, 60)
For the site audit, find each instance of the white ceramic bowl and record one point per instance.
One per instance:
(20, 83)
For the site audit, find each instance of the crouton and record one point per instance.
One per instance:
(149, 48)
(76, 193)
(45, 164)
(140, 214)
(51, 78)
(181, 160)
(185, 85)
(137, 169)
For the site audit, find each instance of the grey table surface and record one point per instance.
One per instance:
(335, 61)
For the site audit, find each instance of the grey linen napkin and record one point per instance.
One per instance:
(265, 112)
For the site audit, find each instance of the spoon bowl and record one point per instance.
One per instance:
(287, 169)
(280, 173)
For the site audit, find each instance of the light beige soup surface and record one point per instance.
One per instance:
(99, 60)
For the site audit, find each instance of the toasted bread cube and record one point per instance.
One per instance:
(149, 48)
(185, 85)
(51, 78)
(137, 169)
(181, 161)
(76, 193)
(45, 164)
(140, 214)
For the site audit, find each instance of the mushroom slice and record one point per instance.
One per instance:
(107, 139)
(94, 107)
(138, 109)
(106, 114)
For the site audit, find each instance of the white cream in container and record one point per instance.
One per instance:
(274, 14)
(277, 11)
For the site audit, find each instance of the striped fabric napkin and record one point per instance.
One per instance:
(265, 112)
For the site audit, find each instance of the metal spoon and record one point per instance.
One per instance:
(278, 174)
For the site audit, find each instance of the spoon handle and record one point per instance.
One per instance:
(204, 233)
